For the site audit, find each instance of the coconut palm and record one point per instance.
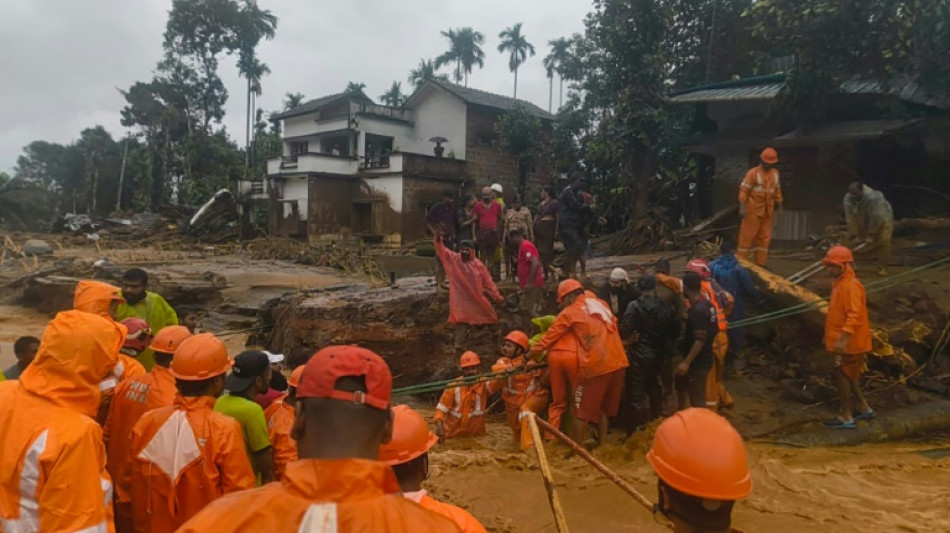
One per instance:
(423, 73)
(393, 97)
(518, 48)
(554, 62)
(354, 87)
(464, 50)
(292, 100)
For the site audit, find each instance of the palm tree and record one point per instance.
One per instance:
(423, 73)
(517, 47)
(393, 97)
(254, 24)
(292, 100)
(464, 50)
(354, 87)
(554, 62)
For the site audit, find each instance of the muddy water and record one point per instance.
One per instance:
(16, 322)
(891, 487)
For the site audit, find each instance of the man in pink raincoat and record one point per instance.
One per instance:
(469, 282)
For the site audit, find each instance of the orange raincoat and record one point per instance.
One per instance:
(716, 393)
(462, 408)
(185, 456)
(848, 313)
(468, 283)
(280, 420)
(132, 399)
(53, 466)
(522, 393)
(465, 521)
(759, 192)
(348, 495)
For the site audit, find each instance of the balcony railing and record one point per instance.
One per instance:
(374, 161)
(313, 162)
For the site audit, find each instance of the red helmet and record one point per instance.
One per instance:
(469, 359)
(139, 334)
(770, 156)
(519, 338)
(700, 267)
(838, 255)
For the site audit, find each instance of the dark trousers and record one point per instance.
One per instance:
(643, 385)
(693, 385)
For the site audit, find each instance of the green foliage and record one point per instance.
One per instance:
(520, 134)
(516, 45)
(354, 87)
(465, 51)
(423, 73)
(292, 100)
(4, 178)
(26, 206)
(393, 97)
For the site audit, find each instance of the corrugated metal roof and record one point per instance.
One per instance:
(852, 130)
(765, 91)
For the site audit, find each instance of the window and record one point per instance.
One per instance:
(299, 147)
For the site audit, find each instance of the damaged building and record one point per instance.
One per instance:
(354, 168)
(894, 138)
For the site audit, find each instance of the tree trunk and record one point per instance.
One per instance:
(95, 187)
(522, 177)
(550, 93)
(159, 195)
(560, 102)
(247, 132)
(125, 155)
(516, 83)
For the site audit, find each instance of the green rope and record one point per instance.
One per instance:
(439, 386)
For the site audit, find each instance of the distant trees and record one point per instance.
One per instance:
(354, 87)
(393, 97)
(516, 45)
(465, 51)
(424, 72)
(554, 64)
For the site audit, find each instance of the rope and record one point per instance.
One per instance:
(439, 386)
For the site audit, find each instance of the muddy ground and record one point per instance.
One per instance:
(882, 487)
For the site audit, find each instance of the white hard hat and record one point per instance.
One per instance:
(497, 188)
(619, 274)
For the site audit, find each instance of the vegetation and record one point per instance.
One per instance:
(516, 45)
(465, 51)
(554, 64)
(393, 97)
(424, 72)
(520, 134)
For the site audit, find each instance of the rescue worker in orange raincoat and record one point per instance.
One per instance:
(408, 454)
(702, 469)
(847, 337)
(338, 484)
(716, 394)
(280, 421)
(53, 466)
(186, 455)
(524, 392)
(469, 283)
(587, 323)
(760, 195)
(132, 399)
(461, 409)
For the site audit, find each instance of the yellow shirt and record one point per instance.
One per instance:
(154, 310)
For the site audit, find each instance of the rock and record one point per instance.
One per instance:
(36, 247)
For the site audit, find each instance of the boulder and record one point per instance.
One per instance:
(36, 247)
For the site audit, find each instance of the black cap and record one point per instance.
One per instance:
(247, 366)
(466, 244)
(646, 282)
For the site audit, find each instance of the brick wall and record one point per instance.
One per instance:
(488, 163)
(418, 195)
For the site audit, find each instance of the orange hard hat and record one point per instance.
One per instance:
(769, 155)
(169, 339)
(698, 452)
(700, 267)
(567, 287)
(294, 378)
(411, 437)
(838, 255)
(139, 333)
(200, 357)
(469, 359)
(518, 337)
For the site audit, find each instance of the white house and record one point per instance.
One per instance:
(353, 167)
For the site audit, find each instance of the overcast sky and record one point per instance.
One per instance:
(63, 60)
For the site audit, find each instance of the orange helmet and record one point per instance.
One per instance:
(838, 255)
(698, 452)
(169, 339)
(700, 267)
(139, 334)
(294, 378)
(567, 287)
(411, 437)
(469, 359)
(200, 357)
(518, 337)
(769, 155)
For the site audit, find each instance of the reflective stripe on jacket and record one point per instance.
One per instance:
(462, 408)
(760, 191)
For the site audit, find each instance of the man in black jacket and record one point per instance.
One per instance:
(618, 292)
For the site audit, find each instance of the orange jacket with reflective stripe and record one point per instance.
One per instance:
(760, 191)
(53, 465)
(848, 312)
(462, 408)
(132, 399)
(599, 347)
(184, 457)
(710, 294)
(346, 495)
(465, 521)
(280, 420)
(517, 387)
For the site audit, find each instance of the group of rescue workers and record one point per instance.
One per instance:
(123, 420)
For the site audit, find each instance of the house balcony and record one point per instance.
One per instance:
(252, 190)
(312, 162)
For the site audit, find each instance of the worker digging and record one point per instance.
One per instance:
(582, 267)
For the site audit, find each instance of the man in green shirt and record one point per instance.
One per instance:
(144, 304)
(249, 377)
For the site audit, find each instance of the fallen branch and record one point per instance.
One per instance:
(559, 519)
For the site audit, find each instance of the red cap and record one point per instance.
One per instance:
(330, 364)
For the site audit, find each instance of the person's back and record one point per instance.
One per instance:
(249, 378)
(52, 469)
(343, 416)
(280, 422)
(186, 455)
(735, 279)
